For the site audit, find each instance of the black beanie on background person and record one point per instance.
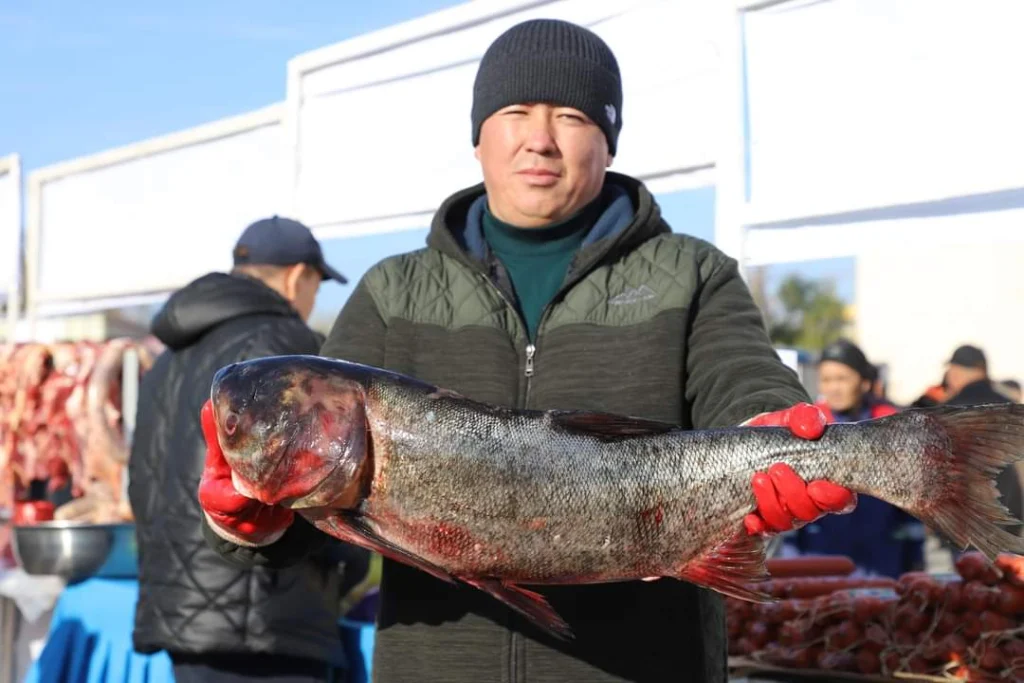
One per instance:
(849, 354)
(551, 61)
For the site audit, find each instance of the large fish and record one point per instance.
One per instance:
(500, 498)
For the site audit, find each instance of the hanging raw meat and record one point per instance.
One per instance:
(104, 448)
(61, 423)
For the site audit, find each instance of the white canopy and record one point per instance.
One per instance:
(133, 223)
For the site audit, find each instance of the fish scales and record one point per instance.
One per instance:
(569, 504)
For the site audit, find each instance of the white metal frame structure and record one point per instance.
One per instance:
(150, 165)
(10, 238)
(905, 138)
(420, 73)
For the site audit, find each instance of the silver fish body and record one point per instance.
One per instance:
(498, 497)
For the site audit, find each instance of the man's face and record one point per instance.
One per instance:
(841, 386)
(541, 163)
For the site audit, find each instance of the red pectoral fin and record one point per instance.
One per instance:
(531, 605)
(352, 528)
(731, 567)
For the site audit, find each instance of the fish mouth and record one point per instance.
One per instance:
(345, 483)
(315, 497)
(320, 495)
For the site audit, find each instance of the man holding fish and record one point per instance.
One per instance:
(553, 285)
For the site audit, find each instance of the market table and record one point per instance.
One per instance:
(358, 639)
(90, 640)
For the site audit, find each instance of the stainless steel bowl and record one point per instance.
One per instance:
(76, 551)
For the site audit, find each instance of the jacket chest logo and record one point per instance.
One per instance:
(633, 296)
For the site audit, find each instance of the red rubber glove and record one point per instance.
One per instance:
(231, 515)
(784, 500)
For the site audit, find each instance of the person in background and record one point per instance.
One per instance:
(846, 384)
(880, 538)
(220, 622)
(969, 384)
(558, 284)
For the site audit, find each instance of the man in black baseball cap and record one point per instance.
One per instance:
(285, 256)
(968, 356)
(217, 621)
(281, 241)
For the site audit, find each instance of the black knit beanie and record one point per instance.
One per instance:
(551, 61)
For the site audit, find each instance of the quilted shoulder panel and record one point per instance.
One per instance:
(431, 288)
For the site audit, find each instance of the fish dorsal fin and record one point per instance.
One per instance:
(445, 393)
(609, 427)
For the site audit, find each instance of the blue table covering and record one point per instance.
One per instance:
(90, 640)
(358, 638)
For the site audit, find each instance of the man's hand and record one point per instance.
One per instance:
(231, 515)
(784, 500)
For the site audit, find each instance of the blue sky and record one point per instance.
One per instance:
(75, 82)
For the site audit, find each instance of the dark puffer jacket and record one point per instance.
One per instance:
(191, 600)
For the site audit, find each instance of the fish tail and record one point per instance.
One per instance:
(974, 445)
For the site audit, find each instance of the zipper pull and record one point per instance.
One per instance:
(530, 350)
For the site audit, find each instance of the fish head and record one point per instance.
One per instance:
(293, 431)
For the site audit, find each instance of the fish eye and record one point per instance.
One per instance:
(230, 423)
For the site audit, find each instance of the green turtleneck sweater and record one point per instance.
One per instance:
(537, 259)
